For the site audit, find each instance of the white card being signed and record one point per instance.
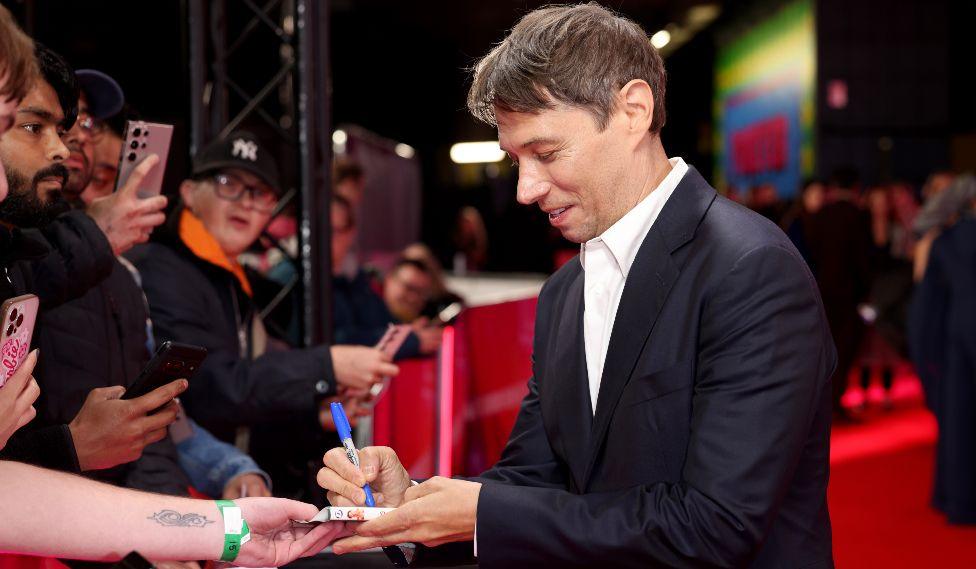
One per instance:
(347, 514)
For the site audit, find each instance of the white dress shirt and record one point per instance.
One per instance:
(606, 263)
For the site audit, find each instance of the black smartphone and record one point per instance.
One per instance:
(172, 361)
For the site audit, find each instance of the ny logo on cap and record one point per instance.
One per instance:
(245, 149)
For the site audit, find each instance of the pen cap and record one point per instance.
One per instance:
(340, 420)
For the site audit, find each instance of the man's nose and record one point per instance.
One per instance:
(531, 187)
(57, 151)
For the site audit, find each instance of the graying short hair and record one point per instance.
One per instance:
(579, 55)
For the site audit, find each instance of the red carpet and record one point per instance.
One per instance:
(881, 477)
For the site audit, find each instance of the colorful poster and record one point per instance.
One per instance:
(764, 103)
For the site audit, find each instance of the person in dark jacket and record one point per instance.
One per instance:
(60, 260)
(99, 339)
(839, 244)
(359, 314)
(246, 390)
(942, 337)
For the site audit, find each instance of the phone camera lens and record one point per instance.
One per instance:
(10, 330)
(137, 131)
(20, 320)
(132, 157)
(135, 144)
(143, 144)
(13, 314)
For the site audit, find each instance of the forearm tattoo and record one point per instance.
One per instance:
(173, 518)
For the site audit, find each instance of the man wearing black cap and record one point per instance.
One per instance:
(100, 98)
(198, 293)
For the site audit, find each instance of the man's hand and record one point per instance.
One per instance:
(438, 511)
(275, 540)
(109, 431)
(17, 398)
(123, 217)
(379, 466)
(359, 367)
(249, 484)
(429, 335)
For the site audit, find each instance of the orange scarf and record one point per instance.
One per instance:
(202, 243)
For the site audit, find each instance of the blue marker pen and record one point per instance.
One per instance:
(393, 553)
(345, 434)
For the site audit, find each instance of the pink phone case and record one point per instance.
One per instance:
(394, 337)
(142, 139)
(19, 315)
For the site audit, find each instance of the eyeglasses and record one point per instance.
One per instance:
(93, 127)
(232, 188)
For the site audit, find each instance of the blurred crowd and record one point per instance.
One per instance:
(896, 267)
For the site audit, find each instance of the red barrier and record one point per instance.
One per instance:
(476, 410)
(15, 561)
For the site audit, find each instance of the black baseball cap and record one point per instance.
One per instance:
(239, 149)
(105, 97)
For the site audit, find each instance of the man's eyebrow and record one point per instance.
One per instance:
(41, 113)
(538, 140)
(534, 141)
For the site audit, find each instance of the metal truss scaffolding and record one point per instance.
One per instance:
(266, 68)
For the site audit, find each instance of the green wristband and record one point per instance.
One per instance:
(236, 532)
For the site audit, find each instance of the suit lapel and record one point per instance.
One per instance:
(566, 385)
(646, 289)
(648, 284)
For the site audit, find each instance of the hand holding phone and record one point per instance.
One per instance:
(389, 344)
(124, 217)
(17, 399)
(19, 315)
(392, 339)
(171, 361)
(109, 431)
(142, 140)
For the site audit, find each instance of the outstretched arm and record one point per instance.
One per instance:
(61, 515)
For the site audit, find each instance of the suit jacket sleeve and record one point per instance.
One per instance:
(80, 258)
(762, 355)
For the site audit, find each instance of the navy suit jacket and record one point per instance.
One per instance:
(710, 442)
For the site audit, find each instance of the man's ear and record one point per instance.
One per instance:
(637, 102)
(188, 193)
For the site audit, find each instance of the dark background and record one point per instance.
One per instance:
(400, 69)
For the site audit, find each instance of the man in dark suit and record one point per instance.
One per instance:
(679, 409)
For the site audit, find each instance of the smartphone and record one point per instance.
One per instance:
(171, 361)
(393, 338)
(448, 313)
(142, 139)
(19, 315)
